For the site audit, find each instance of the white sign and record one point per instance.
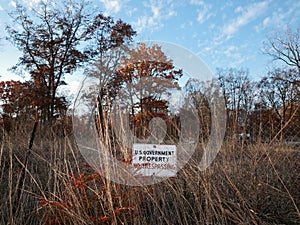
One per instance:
(154, 160)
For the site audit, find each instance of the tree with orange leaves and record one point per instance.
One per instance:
(148, 76)
(26, 98)
(56, 39)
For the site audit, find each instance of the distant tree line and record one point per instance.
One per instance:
(58, 39)
(263, 110)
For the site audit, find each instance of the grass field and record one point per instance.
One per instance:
(52, 184)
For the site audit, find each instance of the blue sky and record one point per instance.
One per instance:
(222, 33)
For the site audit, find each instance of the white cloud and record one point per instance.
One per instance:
(159, 11)
(196, 2)
(238, 9)
(280, 18)
(1, 8)
(230, 51)
(31, 3)
(172, 13)
(212, 26)
(130, 12)
(112, 6)
(265, 23)
(141, 23)
(13, 4)
(229, 56)
(203, 11)
(236, 55)
(201, 16)
(247, 15)
(204, 14)
(156, 11)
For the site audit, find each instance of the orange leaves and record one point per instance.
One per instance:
(28, 98)
(81, 181)
(118, 211)
(149, 75)
(78, 182)
(104, 219)
(148, 62)
(16, 96)
(90, 198)
(70, 39)
(127, 160)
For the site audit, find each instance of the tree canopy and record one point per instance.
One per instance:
(56, 39)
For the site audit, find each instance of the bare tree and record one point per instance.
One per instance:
(106, 83)
(280, 93)
(285, 47)
(239, 93)
(198, 94)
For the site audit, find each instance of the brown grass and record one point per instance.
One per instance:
(250, 184)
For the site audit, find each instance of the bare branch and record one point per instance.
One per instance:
(285, 47)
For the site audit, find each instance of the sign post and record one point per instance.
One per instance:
(154, 160)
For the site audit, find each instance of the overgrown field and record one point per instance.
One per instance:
(52, 184)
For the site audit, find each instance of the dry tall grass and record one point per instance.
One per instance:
(51, 184)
